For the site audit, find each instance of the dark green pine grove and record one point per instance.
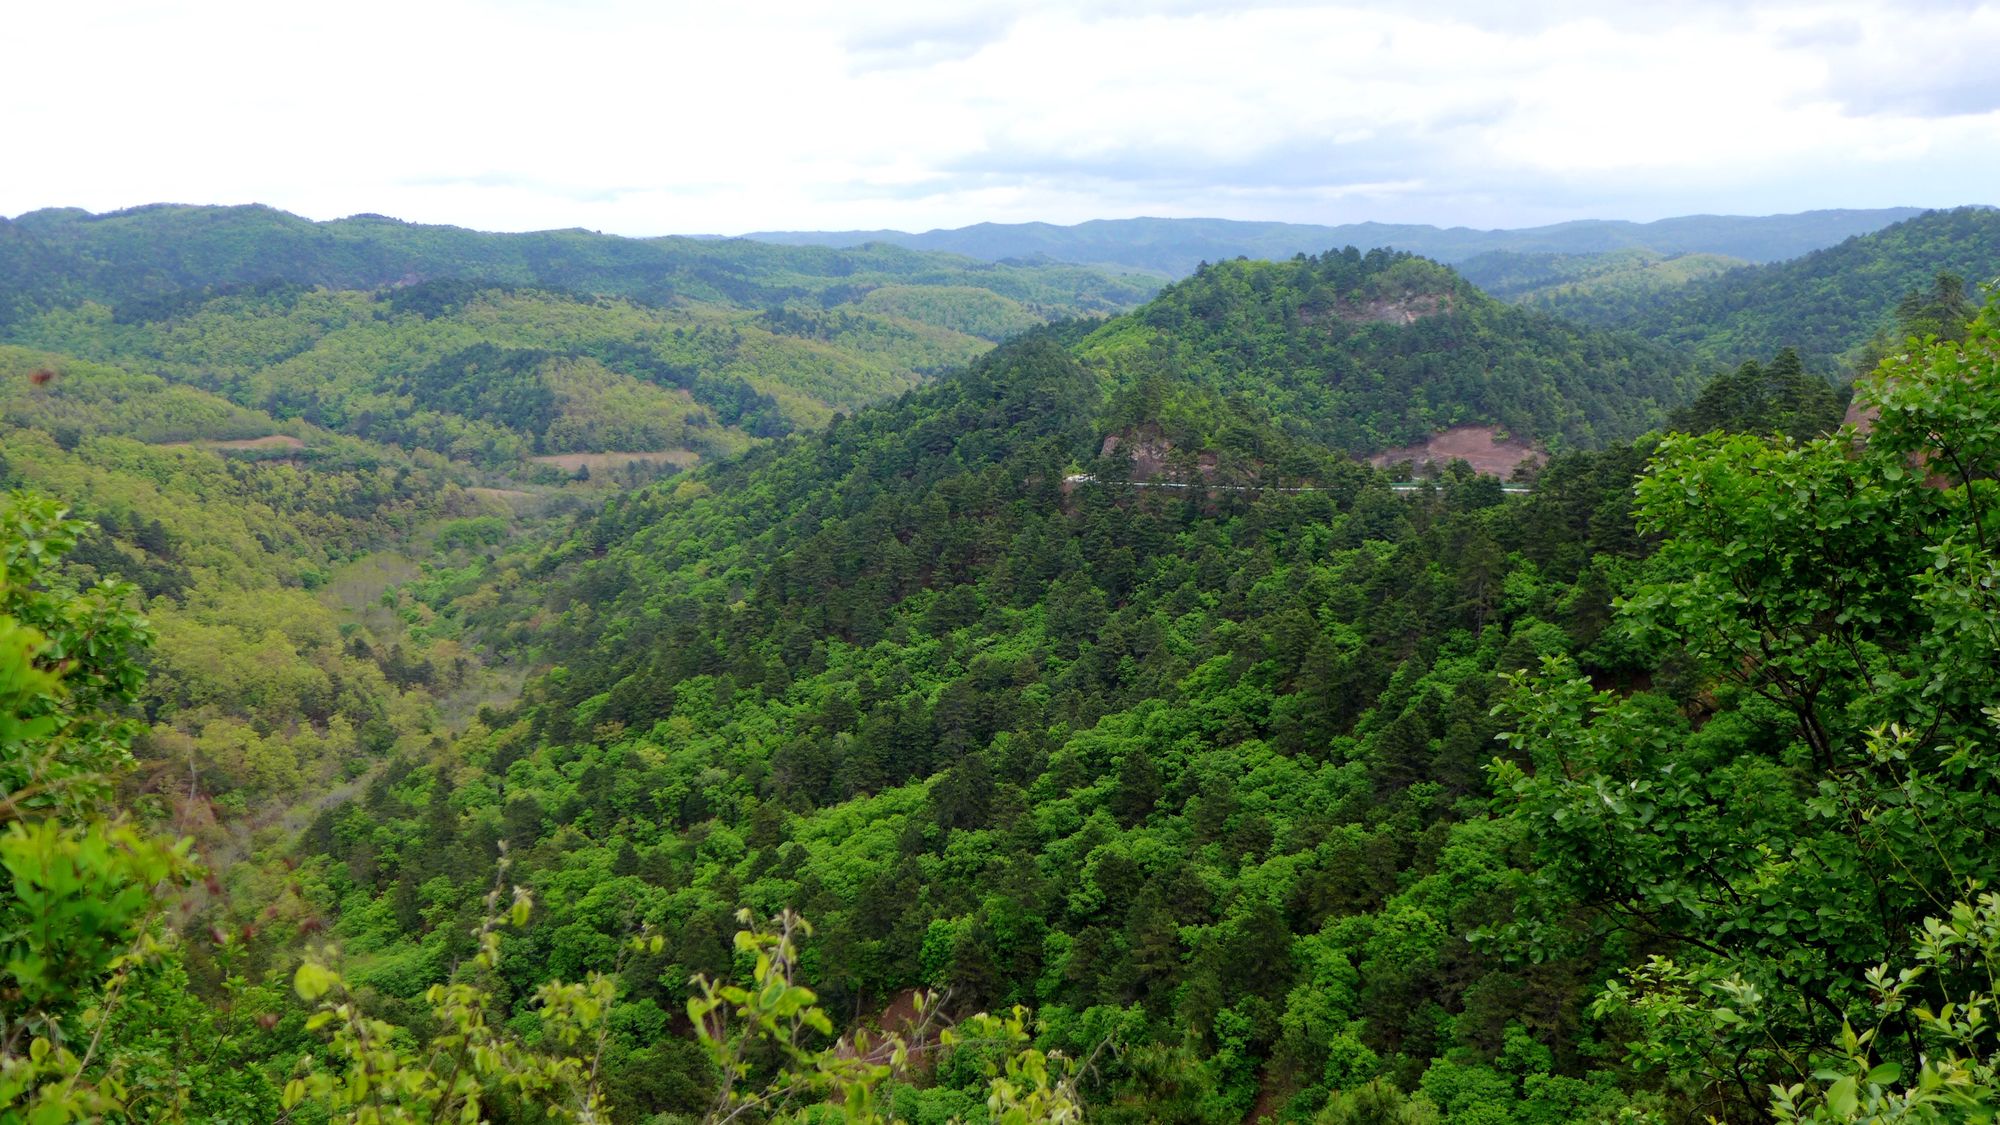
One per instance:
(1090, 688)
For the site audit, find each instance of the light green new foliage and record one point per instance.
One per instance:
(1958, 1078)
(1835, 603)
(83, 640)
(1030, 1086)
(379, 1073)
(83, 888)
(844, 1082)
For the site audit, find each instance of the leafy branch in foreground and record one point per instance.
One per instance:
(379, 1073)
(84, 888)
(772, 1014)
(1822, 789)
(1958, 1072)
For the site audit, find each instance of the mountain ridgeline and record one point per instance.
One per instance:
(1174, 247)
(58, 258)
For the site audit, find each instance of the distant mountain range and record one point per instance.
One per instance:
(59, 256)
(1176, 246)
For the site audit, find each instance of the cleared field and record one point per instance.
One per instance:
(571, 462)
(268, 441)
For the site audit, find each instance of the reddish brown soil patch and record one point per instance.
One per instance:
(899, 1016)
(571, 462)
(1862, 418)
(1479, 446)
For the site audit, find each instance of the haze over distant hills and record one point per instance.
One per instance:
(1176, 246)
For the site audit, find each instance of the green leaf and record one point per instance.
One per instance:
(1841, 1100)
(313, 981)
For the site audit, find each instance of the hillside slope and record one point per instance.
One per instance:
(1090, 676)
(494, 375)
(1825, 304)
(1361, 352)
(64, 256)
(500, 348)
(265, 549)
(1537, 280)
(1119, 751)
(1031, 685)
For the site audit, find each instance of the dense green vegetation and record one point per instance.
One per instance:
(147, 257)
(497, 376)
(280, 670)
(1614, 278)
(1356, 351)
(1091, 684)
(493, 349)
(1365, 351)
(1763, 399)
(296, 465)
(1827, 304)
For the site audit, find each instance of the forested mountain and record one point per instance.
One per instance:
(495, 374)
(1093, 675)
(1360, 352)
(500, 350)
(1175, 246)
(1178, 766)
(128, 259)
(1205, 771)
(1826, 304)
(1539, 280)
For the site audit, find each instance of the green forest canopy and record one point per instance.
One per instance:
(1827, 304)
(1205, 775)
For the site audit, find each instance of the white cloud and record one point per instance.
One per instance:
(648, 118)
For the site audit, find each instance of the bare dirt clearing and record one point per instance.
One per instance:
(1479, 446)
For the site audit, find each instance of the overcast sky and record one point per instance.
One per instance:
(654, 118)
